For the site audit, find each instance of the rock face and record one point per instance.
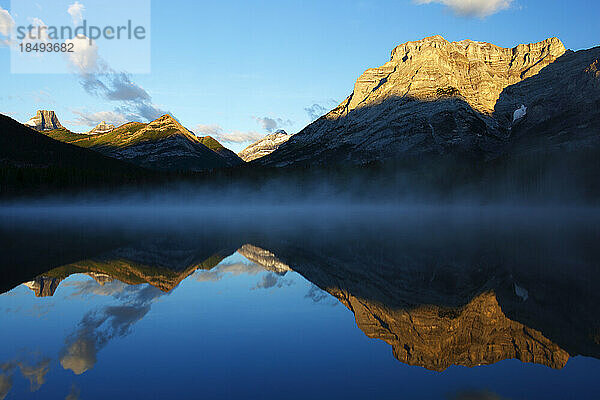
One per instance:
(559, 107)
(433, 67)
(265, 146)
(44, 121)
(437, 338)
(43, 286)
(432, 97)
(101, 128)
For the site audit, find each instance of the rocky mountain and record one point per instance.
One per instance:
(43, 286)
(265, 146)
(560, 106)
(101, 128)
(44, 121)
(163, 144)
(231, 158)
(436, 97)
(436, 338)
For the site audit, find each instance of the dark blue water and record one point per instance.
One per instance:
(296, 314)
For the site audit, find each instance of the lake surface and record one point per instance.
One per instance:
(107, 301)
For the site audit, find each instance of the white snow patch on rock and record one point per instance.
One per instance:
(521, 292)
(520, 113)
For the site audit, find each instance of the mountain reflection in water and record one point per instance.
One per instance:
(441, 292)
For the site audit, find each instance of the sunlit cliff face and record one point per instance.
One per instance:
(436, 338)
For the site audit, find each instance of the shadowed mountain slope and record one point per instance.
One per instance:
(231, 158)
(29, 158)
(437, 98)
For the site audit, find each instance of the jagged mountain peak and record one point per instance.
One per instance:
(169, 125)
(101, 128)
(44, 120)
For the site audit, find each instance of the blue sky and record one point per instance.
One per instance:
(235, 68)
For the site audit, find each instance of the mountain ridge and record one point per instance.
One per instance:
(433, 97)
(162, 144)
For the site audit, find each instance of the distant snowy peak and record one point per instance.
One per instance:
(101, 128)
(265, 146)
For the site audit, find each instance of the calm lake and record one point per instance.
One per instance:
(279, 302)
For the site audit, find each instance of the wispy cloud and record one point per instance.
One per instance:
(6, 25)
(99, 79)
(43, 97)
(135, 102)
(92, 119)
(315, 111)
(235, 269)
(5, 385)
(217, 132)
(91, 287)
(84, 57)
(76, 10)
(74, 393)
(272, 124)
(272, 280)
(472, 8)
(35, 373)
(98, 327)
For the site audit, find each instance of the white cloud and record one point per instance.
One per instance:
(92, 119)
(208, 130)
(99, 79)
(220, 135)
(472, 8)
(75, 10)
(6, 24)
(80, 355)
(316, 111)
(272, 124)
(84, 56)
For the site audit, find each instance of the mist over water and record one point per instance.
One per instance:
(453, 295)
